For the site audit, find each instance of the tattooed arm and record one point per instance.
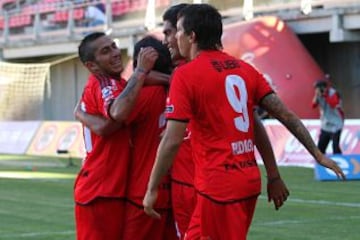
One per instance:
(277, 109)
(98, 124)
(157, 78)
(123, 104)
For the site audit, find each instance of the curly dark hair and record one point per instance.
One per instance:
(163, 63)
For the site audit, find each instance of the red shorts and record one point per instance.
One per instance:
(140, 226)
(210, 218)
(170, 229)
(100, 219)
(183, 199)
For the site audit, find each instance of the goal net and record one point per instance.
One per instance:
(22, 90)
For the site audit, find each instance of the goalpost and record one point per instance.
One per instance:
(22, 90)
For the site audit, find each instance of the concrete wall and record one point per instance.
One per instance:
(342, 62)
(67, 81)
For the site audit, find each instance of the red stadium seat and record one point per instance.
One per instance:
(79, 13)
(119, 8)
(19, 21)
(62, 16)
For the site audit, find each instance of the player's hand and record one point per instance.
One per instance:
(149, 202)
(146, 59)
(277, 192)
(331, 164)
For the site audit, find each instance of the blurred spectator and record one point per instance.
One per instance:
(331, 115)
(95, 14)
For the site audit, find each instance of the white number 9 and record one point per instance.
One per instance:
(238, 101)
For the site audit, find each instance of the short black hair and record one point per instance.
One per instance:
(206, 22)
(86, 51)
(321, 84)
(163, 63)
(171, 14)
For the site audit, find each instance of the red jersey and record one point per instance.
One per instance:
(146, 132)
(105, 167)
(217, 93)
(182, 170)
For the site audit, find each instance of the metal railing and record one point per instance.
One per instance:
(67, 20)
(61, 20)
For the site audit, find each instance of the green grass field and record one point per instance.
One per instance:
(36, 203)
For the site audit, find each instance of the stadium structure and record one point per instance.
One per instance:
(40, 69)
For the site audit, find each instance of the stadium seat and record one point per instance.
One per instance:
(119, 8)
(79, 13)
(62, 16)
(3, 2)
(19, 21)
(162, 3)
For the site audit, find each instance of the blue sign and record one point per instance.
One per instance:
(350, 164)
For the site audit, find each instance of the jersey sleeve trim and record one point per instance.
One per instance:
(179, 120)
(270, 92)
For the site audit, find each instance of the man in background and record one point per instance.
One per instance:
(329, 102)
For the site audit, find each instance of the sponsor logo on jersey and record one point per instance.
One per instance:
(240, 164)
(106, 92)
(169, 108)
(242, 146)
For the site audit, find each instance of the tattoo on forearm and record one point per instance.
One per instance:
(130, 86)
(276, 108)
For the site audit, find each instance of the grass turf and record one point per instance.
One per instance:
(36, 203)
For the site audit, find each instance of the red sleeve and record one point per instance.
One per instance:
(178, 104)
(314, 104)
(333, 100)
(89, 101)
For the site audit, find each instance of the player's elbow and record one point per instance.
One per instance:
(100, 132)
(118, 115)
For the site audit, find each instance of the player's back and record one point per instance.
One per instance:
(223, 91)
(146, 129)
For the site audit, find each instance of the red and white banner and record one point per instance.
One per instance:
(15, 137)
(46, 138)
(289, 151)
(55, 136)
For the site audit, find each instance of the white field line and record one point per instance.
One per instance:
(320, 202)
(308, 221)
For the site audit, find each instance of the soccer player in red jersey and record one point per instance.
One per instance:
(146, 122)
(183, 195)
(182, 171)
(217, 93)
(100, 187)
(145, 134)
